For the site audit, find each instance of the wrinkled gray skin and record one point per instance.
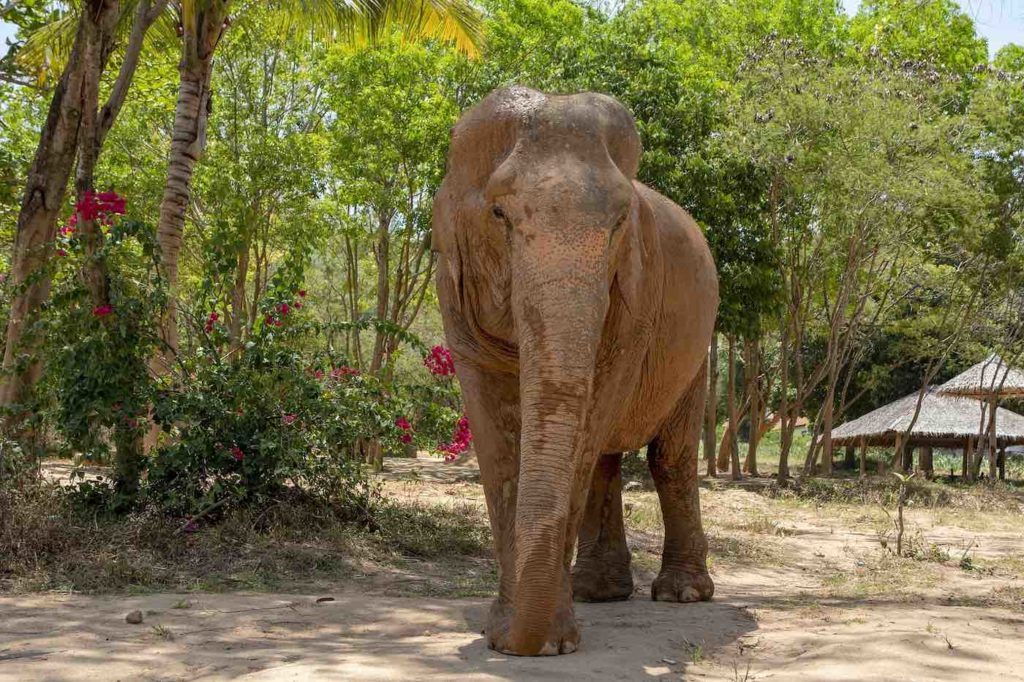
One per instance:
(579, 305)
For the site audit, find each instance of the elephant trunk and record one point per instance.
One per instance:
(559, 322)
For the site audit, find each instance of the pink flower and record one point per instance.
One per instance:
(214, 316)
(237, 453)
(288, 419)
(102, 310)
(284, 308)
(319, 374)
(344, 371)
(439, 361)
(403, 423)
(62, 253)
(190, 527)
(405, 438)
(460, 440)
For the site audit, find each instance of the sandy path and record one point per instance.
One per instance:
(753, 628)
(779, 622)
(287, 637)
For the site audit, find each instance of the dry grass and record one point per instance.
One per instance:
(46, 544)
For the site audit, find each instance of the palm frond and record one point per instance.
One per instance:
(47, 49)
(366, 21)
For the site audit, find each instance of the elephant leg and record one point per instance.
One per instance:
(672, 458)
(492, 401)
(602, 570)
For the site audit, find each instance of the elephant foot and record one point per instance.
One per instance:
(682, 586)
(594, 580)
(563, 636)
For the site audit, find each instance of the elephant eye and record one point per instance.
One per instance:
(498, 213)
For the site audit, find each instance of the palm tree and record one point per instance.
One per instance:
(203, 23)
(79, 44)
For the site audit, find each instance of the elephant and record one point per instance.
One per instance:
(578, 305)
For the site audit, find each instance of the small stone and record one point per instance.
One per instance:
(134, 617)
(669, 661)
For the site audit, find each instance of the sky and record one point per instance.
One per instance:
(1000, 21)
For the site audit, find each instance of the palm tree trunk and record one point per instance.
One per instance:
(187, 143)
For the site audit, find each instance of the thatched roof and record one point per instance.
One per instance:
(943, 420)
(989, 376)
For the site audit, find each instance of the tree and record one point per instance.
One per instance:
(395, 106)
(203, 23)
(72, 107)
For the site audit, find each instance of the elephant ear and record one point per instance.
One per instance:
(445, 243)
(629, 274)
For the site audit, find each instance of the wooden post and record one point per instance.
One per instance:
(1002, 463)
(993, 405)
(849, 462)
(863, 458)
(925, 461)
(969, 459)
(897, 456)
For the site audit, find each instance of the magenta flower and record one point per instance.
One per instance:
(341, 372)
(288, 419)
(403, 423)
(405, 438)
(460, 440)
(439, 361)
(237, 453)
(102, 310)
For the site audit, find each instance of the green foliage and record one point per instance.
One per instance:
(98, 361)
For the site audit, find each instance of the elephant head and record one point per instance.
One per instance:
(534, 223)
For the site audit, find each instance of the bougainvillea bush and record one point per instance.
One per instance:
(244, 417)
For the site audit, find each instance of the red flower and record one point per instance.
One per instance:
(288, 419)
(403, 423)
(344, 371)
(302, 293)
(284, 308)
(319, 374)
(439, 361)
(297, 305)
(237, 453)
(102, 310)
(460, 440)
(405, 438)
(62, 253)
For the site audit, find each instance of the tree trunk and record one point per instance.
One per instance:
(239, 315)
(383, 255)
(849, 461)
(863, 459)
(44, 195)
(731, 398)
(711, 408)
(785, 432)
(754, 391)
(187, 144)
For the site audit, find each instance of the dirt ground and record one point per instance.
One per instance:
(804, 592)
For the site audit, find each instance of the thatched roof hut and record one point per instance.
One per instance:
(991, 377)
(944, 421)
